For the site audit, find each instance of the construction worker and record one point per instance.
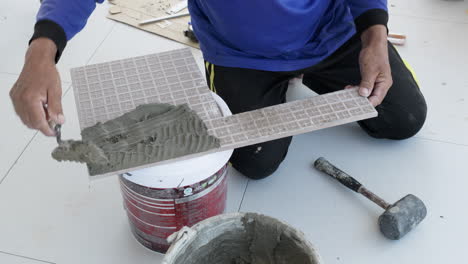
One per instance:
(252, 49)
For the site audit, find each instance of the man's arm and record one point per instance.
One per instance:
(371, 18)
(37, 93)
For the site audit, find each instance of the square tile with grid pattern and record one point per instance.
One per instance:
(107, 90)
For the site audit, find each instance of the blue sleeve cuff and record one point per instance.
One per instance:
(371, 18)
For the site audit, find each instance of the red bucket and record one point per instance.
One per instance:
(162, 199)
(154, 213)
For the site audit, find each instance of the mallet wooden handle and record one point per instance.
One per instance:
(325, 166)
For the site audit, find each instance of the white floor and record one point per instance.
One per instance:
(51, 213)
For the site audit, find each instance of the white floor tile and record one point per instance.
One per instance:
(436, 51)
(12, 259)
(17, 19)
(16, 134)
(444, 10)
(342, 224)
(53, 212)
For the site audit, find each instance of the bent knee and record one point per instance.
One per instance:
(397, 124)
(262, 160)
(409, 125)
(256, 171)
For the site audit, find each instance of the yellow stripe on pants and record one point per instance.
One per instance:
(211, 75)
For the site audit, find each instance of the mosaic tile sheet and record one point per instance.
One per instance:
(107, 90)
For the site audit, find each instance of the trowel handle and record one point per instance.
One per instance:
(325, 166)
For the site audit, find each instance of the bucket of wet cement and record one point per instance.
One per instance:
(240, 238)
(162, 199)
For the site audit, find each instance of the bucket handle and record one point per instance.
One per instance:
(178, 240)
(183, 234)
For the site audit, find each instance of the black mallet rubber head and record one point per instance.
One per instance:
(402, 217)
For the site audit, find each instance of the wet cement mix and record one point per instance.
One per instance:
(148, 134)
(264, 240)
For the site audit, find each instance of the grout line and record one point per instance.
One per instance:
(10, 73)
(442, 141)
(19, 156)
(32, 138)
(245, 190)
(67, 90)
(39, 260)
(100, 44)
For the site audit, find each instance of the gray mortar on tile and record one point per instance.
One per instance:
(79, 151)
(263, 240)
(148, 134)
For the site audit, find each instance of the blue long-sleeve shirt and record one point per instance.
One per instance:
(275, 35)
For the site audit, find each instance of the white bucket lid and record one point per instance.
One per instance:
(184, 172)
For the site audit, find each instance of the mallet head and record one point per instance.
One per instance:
(402, 217)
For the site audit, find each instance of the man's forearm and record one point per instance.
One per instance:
(41, 49)
(374, 35)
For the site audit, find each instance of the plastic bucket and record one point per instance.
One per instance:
(242, 238)
(162, 199)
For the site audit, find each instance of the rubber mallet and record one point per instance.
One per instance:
(398, 219)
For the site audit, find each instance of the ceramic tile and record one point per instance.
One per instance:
(343, 225)
(17, 21)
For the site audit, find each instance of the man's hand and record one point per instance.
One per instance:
(37, 93)
(376, 75)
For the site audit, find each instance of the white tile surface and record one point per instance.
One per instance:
(437, 52)
(12, 259)
(437, 10)
(55, 213)
(17, 135)
(342, 224)
(17, 19)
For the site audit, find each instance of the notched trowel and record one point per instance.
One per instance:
(77, 150)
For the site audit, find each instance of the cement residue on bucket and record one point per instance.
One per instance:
(245, 239)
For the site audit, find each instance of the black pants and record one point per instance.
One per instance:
(401, 114)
